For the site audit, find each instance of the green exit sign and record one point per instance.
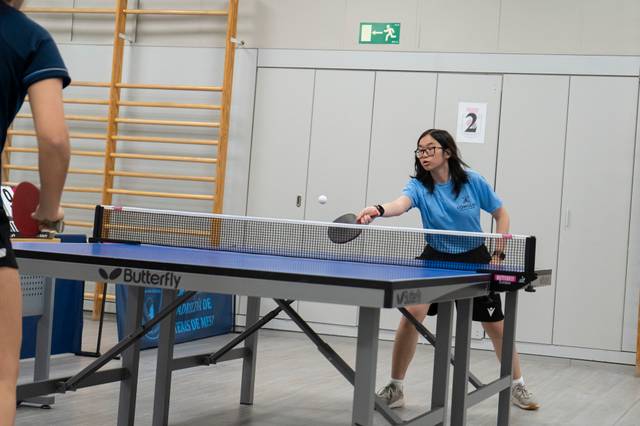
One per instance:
(379, 33)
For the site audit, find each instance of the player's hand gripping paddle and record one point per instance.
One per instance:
(26, 197)
(340, 235)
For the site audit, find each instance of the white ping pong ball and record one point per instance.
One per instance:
(322, 199)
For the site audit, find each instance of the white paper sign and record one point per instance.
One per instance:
(472, 118)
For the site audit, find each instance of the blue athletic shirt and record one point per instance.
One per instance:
(444, 211)
(28, 54)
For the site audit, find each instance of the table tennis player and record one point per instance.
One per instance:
(29, 64)
(449, 196)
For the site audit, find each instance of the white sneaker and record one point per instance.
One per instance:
(524, 399)
(392, 395)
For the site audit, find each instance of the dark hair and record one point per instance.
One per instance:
(456, 170)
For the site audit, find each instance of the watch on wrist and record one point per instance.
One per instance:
(380, 209)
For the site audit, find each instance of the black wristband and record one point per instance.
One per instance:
(380, 209)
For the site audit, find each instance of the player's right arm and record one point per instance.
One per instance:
(45, 97)
(394, 208)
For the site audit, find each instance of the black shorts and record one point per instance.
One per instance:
(7, 257)
(485, 308)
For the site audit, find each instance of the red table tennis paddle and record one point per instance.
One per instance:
(26, 197)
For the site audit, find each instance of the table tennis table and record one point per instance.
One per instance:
(180, 272)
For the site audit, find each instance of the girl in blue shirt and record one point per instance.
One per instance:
(449, 196)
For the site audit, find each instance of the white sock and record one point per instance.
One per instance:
(398, 383)
(519, 381)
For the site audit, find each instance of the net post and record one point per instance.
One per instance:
(97, 222)
(530, 256)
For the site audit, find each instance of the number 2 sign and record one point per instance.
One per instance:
(471, 122)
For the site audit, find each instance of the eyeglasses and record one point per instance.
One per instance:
(427, 152)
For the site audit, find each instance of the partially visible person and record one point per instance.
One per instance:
(29, 64)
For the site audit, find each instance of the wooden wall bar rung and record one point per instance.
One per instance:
(70, 10)
(78, 206)
(86, 171)
(107, 11)
(184, 141)
(89, 84)
(35, 169)
(166, 122)
(162, 194)
(169, 87)
(185, 159)
(86, 101)
(168, 105)
(73, 152)
(162, 176)
(67, 188)
(19, 149)
(81, 101)
(92, 118)
(175, 12)
(96, 136)
(17, 167)
(82, 189)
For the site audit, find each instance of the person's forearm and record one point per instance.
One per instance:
(393, 208)
(502, 224)
(53, 161)
(502, 227)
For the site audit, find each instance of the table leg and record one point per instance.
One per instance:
(442, 357)
(164, 363)
(249, 362)
(461, 367)
(43, 342)
(130, 358)
(506, 365)
(365, 371)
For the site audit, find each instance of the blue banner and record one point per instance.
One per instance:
(204, 315)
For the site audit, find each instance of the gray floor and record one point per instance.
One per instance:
(296, 386)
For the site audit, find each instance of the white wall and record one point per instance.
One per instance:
(592, 27)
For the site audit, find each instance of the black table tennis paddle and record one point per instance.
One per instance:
(342, 235)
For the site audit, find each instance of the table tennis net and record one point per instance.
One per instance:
(307, 239)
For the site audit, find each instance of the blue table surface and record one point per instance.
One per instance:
(129, 254)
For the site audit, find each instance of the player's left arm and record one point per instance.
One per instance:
(502, 219)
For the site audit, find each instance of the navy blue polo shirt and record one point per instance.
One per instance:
(28, 54)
